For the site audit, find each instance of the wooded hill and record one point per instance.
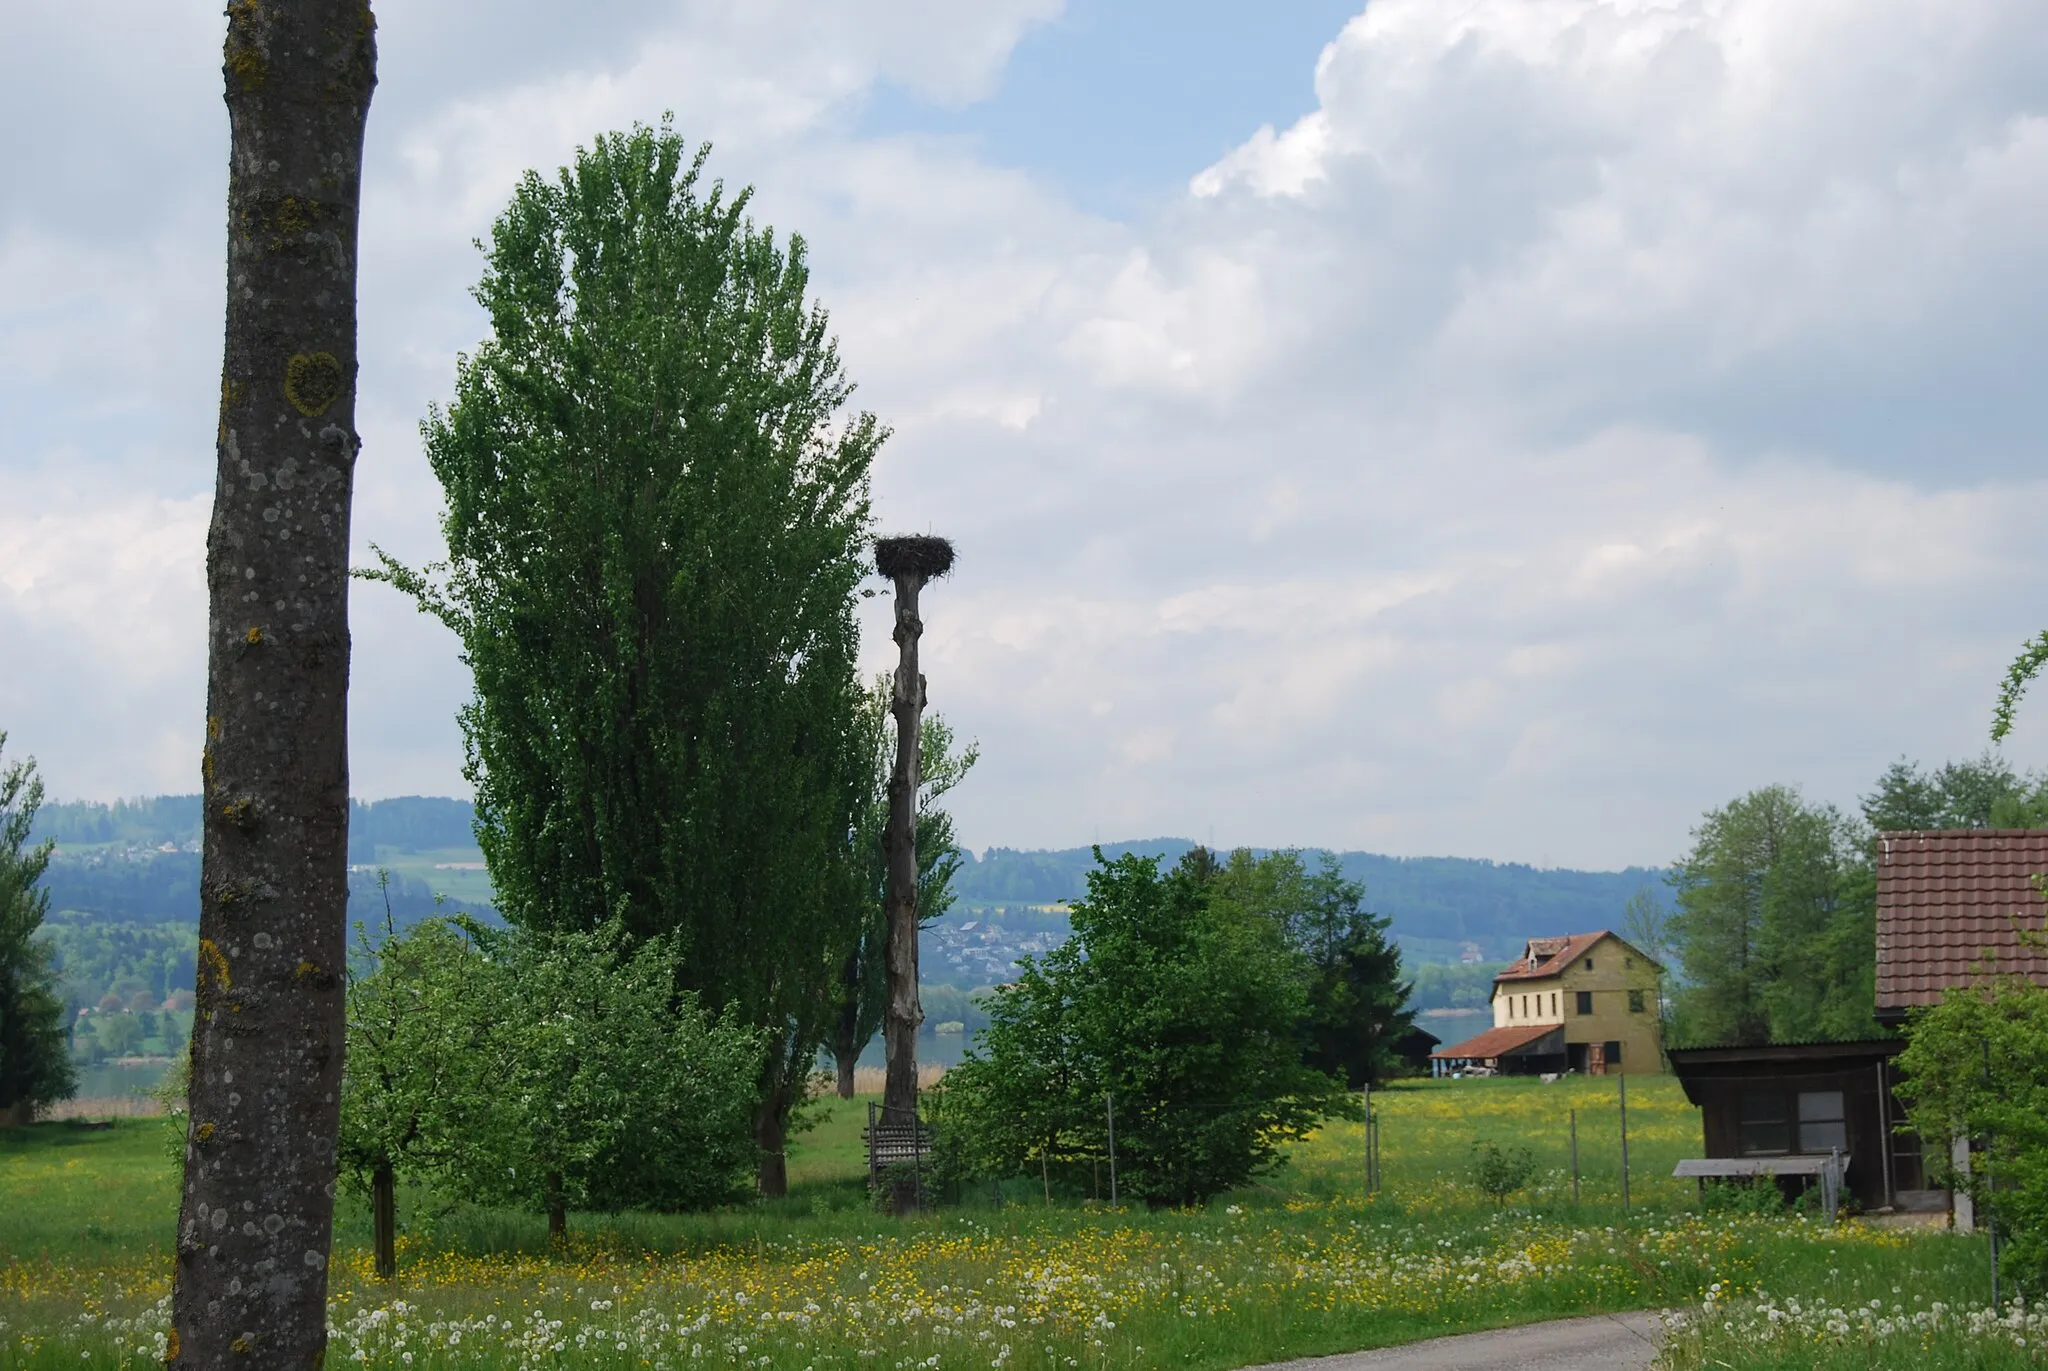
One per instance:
(110, 864)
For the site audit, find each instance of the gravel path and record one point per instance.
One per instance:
(1606, 1342)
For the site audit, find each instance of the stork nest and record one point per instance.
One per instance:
(916, 554)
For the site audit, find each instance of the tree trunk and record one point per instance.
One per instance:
(903, 1016)
(771, 1135)
(384, 1219)
(249, 1287)
(558, 1210)
(847, 1061)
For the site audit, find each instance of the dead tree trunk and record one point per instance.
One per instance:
(249, 1287)
(904, 1014)
(909, 562)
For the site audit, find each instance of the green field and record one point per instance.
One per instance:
(1304, 1262)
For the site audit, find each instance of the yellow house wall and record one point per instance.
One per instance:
(1617, 969)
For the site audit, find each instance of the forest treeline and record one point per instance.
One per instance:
(1772, 931)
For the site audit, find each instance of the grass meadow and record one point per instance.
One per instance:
(1305, 1262)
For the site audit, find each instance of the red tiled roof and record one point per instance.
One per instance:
(1499, 1042)
(1946, 899)
(1547, 957)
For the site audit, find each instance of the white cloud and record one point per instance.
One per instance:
(1592, 409)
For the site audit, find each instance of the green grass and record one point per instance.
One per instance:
(1301, 1263)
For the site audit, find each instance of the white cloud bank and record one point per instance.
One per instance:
(1590, 411)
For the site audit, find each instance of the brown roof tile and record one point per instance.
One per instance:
(1946, 901)
(1496, 1042)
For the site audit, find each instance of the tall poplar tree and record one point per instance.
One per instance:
(657, 506)
(249, 1288)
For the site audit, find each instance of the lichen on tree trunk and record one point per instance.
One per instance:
(249, 1287)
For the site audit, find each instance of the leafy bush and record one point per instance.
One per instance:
(1500, 1172)
(1756, 1196)
(1976, 1066)
(1189, 1013)
(546, 1072)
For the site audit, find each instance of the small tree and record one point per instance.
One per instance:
(601, 1086)
(1976, 1066)
(1499, 1172)
(1188, 1011)
(35, 1065)
(414, 1092)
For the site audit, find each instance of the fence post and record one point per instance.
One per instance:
(1623, 1082)
(1109, 1103)
(1575, 1157)
(1371, 1182)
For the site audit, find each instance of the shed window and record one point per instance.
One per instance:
(1585, 1001)
(1635, 1001)
(1763, 1129)
(1821, 1122)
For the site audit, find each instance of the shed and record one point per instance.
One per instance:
(1526, 1050)
(1789, 1106)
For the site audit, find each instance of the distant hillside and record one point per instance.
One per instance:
(136, 861)
(409, 823)
(1435, 903)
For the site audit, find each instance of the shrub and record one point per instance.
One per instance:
(1189, 1012)
(1499, 1172)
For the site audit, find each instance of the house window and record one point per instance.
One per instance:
(1553, 1001)
(1589, 963)
(1585, 1001)
(1628, 963)
(1614, 1054)
(1821, 1122)
(1635, 1001)
(1762, 1128)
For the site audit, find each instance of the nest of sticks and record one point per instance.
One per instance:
(916, 554)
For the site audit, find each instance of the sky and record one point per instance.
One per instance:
(1490, 428)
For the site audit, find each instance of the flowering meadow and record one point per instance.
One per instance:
(1304, 1264)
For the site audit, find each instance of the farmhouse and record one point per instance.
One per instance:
(1584, 1002)
(1949, 904)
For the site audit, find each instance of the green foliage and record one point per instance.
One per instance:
(656, 511)
(1976, 1066)
(1981, 792)
(545, 1070)
(1499, 1172)
(1357, 1003)
(1775, 924)
(1188, 1010)
(35, 1067)
(1760, 1195)
(2017, 677)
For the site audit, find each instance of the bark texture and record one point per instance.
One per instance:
(903, 1016)
(255, 1220)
